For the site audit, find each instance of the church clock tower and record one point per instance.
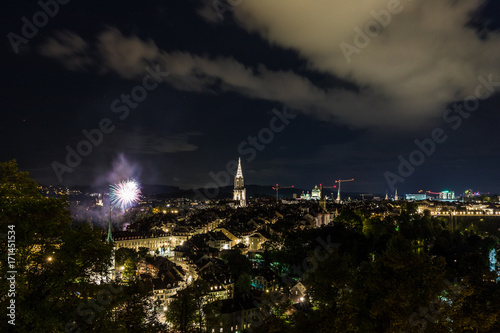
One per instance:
(239, 193)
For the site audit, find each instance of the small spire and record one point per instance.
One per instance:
(239, 173)
(110, 239)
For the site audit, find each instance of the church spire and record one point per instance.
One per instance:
(239, 193)
(111, 273)
(239, 173)
(238, 179)
(110, 239)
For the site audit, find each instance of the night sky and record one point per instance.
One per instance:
(352, 95)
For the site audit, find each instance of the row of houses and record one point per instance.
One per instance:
(186, 253)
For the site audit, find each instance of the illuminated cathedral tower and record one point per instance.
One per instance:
(239, 193)
(111, 273)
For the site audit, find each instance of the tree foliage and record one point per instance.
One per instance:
(59, 265)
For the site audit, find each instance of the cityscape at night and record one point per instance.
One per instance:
(250, 166)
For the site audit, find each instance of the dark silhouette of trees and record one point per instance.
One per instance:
(59, 266)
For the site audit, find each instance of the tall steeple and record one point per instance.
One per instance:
(239, 193)
(396, 196)
(110, 239)
(239, 173)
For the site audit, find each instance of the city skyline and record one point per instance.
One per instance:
(250, 166)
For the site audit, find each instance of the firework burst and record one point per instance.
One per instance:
(125, 193)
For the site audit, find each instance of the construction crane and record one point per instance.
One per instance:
(278, 187)
(322, 187)
(340, 181)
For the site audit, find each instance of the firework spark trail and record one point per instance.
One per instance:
(125, 193)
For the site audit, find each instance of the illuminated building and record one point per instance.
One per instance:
(162, 243)
(235, 316)
(316, 193)
(447, 195)
(239, 193)
(219, 241)
(416, 197)
(305, 196)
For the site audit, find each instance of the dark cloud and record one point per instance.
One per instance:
(354, 117)
(426, 57)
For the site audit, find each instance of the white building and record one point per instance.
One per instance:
(447, 195)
